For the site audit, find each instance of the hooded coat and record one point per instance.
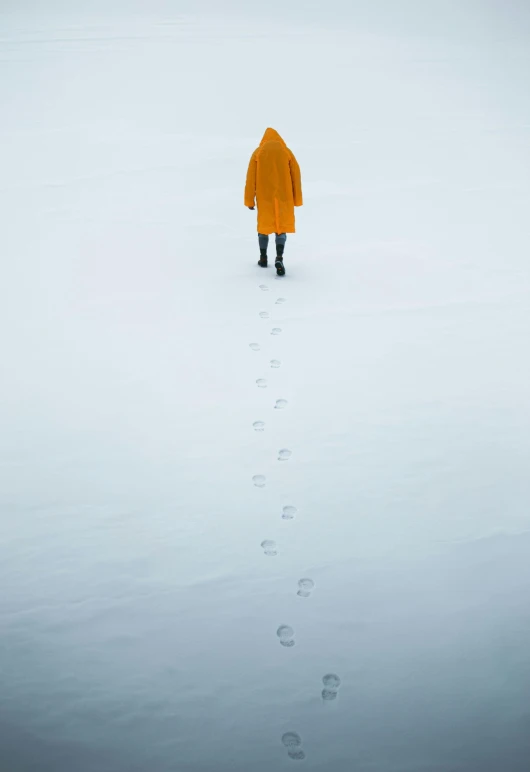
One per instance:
(273, 180)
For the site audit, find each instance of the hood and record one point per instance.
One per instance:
(271, 135)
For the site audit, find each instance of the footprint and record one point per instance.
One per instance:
(280, 301)
(296, 754)
(264, 287)
(262, 383)
(331, 683)
(305, 588)
(254, 346)
(264, 314)
(259, 480)
(284, 454)
(291, 740)
(276, 331)
(275, 363)
(289, 513)
(286, 635)
(259, 426)
(269, 547)
(281, 404)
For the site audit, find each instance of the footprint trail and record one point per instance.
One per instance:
(306, 586)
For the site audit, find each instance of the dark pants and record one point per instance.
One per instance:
(281, 238)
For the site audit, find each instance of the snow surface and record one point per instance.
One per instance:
(139, 610)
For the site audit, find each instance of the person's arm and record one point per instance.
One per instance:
(250, 187)
(296, 179)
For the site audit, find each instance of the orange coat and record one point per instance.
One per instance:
(273, 179)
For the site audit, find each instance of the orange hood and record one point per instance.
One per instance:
(271, 135)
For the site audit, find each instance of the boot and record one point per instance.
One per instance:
(280, 268)
(263, 258)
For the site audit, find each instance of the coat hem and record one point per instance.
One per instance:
(268, 232)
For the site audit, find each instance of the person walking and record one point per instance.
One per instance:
(274, 183)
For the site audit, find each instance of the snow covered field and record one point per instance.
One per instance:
(138, 609)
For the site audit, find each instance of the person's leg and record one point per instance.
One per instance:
(263, 244)
(281, 238)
